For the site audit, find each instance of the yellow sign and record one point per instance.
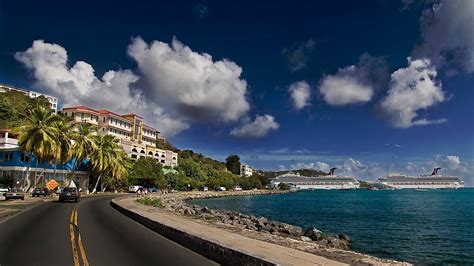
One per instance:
(52, 184)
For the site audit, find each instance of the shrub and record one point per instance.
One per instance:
(150, 202)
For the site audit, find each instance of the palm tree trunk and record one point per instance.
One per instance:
(96, 184)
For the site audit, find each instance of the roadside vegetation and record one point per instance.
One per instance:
(150, 202)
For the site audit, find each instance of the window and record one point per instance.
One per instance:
(134, 156)
(134, 150)
(25, 158)
(162, 161)
(103, 120)
(82, 116)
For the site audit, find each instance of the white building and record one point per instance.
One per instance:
(53, 101)
(246, 170)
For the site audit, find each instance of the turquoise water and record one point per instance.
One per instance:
(429, 227)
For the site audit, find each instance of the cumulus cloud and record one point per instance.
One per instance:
(355, 83)
(453, 161)
(175, 86)
(258, 128)
(189, 84)
(300, 94)
(297, 56)
(412, 89)
(447, 34)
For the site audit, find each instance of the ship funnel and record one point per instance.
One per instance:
(435, 171)
(331, 172)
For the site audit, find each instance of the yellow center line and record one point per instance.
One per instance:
(83, 253)
(73, 241)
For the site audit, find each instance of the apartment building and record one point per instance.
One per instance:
(53, 101)
(137, 139)
(246, 170)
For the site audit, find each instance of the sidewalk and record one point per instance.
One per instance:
(271, 253)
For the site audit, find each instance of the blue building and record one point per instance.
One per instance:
(16, 165)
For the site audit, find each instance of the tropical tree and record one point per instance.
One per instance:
(38, 135)
(108, 158)
(82, 144)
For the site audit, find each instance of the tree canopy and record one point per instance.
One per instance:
(232, 163)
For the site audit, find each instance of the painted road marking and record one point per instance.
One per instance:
(73, 227)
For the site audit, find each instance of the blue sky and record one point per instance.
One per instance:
(283, 84)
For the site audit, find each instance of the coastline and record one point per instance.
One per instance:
(333, 247)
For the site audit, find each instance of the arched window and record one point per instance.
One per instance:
(142, 152)
(150, 153)
(157, 155)
(134, 150)
(163, 156)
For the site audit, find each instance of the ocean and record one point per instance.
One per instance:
(431, 227)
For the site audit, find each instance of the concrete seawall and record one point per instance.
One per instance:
(221, 246)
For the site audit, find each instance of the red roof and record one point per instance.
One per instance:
(82, 107)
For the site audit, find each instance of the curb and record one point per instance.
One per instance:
(214, 251)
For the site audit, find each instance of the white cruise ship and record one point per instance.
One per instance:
(329, 181)
(433, 181)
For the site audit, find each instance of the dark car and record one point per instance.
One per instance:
(41, 191)
(15, 193)
(70, 193)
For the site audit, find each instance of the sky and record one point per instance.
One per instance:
(369, 87)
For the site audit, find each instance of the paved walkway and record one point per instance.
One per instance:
(267, 251)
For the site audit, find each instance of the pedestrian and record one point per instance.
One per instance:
(139, 192)
(145, 191)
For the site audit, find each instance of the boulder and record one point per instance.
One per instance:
(290, 230)
(343, 237)
(305, 239)
(314, 234)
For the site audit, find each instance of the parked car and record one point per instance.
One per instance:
(133, 189)
(152, 189)
(204, 188)
(221, 189)
(16, 193)
(70, 193)
(41, 191)
(237, 188)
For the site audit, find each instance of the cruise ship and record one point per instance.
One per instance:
(329, 181)
(433, 181)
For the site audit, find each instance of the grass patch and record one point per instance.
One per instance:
(150, 202)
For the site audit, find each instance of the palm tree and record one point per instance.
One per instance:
(38, 135)
(82, 143)
(108, 158)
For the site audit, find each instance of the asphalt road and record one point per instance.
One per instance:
(89, 232)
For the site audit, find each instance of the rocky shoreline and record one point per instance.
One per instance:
(312, 240)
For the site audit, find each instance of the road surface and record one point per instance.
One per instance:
(87, 233)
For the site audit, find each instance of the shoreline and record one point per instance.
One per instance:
(334, 247)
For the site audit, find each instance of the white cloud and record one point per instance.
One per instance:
(356, 83)
(447, 32)
(412, 89)
(191, 85)
(177, 86)
(453, 161)
(258, 128)
(300, 94)
(297, 56)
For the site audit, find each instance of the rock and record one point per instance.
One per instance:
(334, 242)
(305, 239)
(314, 234)
(189, 211)
(343, 237)
(290, 230)
(322, 242)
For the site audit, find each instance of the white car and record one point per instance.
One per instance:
(237, 188)
(221, 189)
(133, 189)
